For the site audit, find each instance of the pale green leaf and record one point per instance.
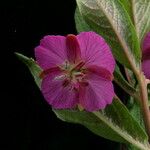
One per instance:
(33, 67)
(81, 25)
(127, 5)
(135, 111)
(139, 11)
(110, 19)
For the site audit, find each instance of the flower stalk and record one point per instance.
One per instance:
(144, 101)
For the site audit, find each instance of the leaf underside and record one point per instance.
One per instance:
(110, 19)
(139, 11)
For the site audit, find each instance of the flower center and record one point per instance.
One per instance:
(73, 73)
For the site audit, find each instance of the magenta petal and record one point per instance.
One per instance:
(146, 43)
(73, 48)
(56, 94)
(51, 52)
(56, 44)
(146, 68)
(97, 94)
(95, 51)
(49, 71)
(146, 56)
(101, 72)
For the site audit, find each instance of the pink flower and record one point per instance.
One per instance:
(146, 56)
(76, 70)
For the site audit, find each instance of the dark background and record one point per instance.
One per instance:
(27, 120)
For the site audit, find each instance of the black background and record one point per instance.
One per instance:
(27, 120)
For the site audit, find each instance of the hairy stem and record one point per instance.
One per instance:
(144, 101)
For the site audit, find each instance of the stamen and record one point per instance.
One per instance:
(61, 77)
(48, 71)
(78, 66)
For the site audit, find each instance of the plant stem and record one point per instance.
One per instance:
(144, 101)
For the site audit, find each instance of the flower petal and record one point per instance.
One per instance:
(146, 68)
(146, 43)
(58, 94)
(96, 94)
(95, 51)
(100, 71)
(73, 48)
(49, 71)
(51, 52)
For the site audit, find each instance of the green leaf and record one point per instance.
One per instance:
(127, 5)
(140, 16)
(33, 67)
(114, 123)
(110, 19)
(131, 147)
(81, 25)
(139, 13)
(135, 111)
(120, 80)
